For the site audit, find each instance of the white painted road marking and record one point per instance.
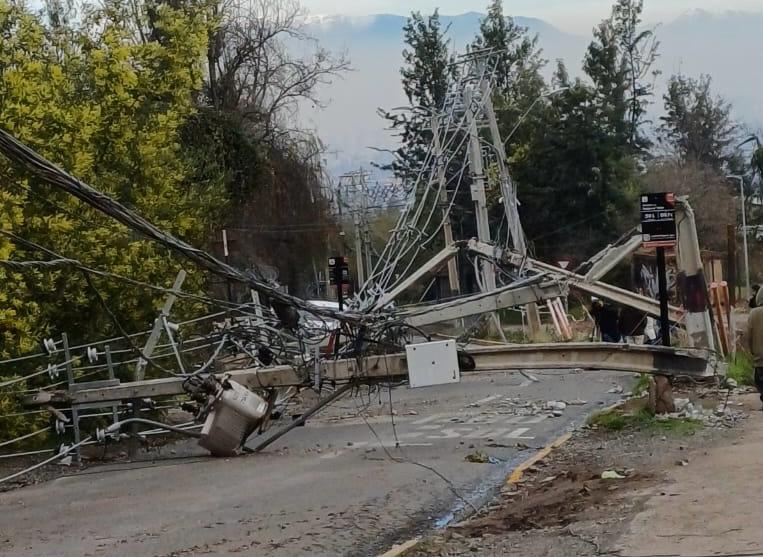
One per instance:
(487, 399)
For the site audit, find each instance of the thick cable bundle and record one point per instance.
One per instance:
(45, 170)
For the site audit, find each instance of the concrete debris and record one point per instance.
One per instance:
(555, 405)
(530, 376)
(720, 416)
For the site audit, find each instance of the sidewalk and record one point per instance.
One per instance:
(711, 506)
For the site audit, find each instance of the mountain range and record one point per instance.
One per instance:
(727, 46)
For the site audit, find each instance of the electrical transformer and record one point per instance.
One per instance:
(233, 415)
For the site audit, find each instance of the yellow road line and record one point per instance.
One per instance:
(398, 550)
(519, 471)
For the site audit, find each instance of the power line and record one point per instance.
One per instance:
(40, 167)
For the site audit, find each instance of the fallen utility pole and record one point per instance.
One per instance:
(658, 360)
(608, 292)
(505, 297)
(574, 280)
(611, 256)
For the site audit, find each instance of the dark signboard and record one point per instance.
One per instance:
(658, 220)
(339, 264)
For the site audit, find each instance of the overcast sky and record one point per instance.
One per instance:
(570, 15)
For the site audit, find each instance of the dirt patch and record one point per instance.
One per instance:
(558, 497)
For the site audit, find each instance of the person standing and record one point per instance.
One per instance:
(607, 320)
(755, 340)
(755, 290)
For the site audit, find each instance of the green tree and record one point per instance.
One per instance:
(697, 125)
(425, 75)
(518, 58)
(576, 187)
(638, 49)
(108, 109)
(619, 62)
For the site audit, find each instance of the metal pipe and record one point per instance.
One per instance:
(302, 419)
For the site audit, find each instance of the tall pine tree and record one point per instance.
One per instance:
(426, 72)
(620, 63)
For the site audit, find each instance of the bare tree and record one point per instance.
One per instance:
(254, 69)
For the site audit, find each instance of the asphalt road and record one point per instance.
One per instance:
(328, 488)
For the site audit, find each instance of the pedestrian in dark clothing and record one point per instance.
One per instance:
(607, 319)
(755, 290)
(755, 341)
(632, 325)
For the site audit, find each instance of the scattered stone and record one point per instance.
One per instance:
(730, 383)
(611, 475)
(682, 463)
(412, 413)
(577, 402)
(617, 389)
(530, 376)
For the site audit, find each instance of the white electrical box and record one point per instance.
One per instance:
(432, 363)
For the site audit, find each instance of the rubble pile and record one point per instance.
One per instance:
(720, 416)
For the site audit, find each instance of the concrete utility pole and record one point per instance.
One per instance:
(740, 179)
(510, 203)
(508, 191)
(358, 241)
(366, 228)
(478, 188)
(455, 286)
(697, 321)
(358, 202)
(480, 200)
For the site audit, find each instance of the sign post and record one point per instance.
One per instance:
(658, 230)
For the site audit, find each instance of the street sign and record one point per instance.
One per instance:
(339, 266)
(658, 220)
